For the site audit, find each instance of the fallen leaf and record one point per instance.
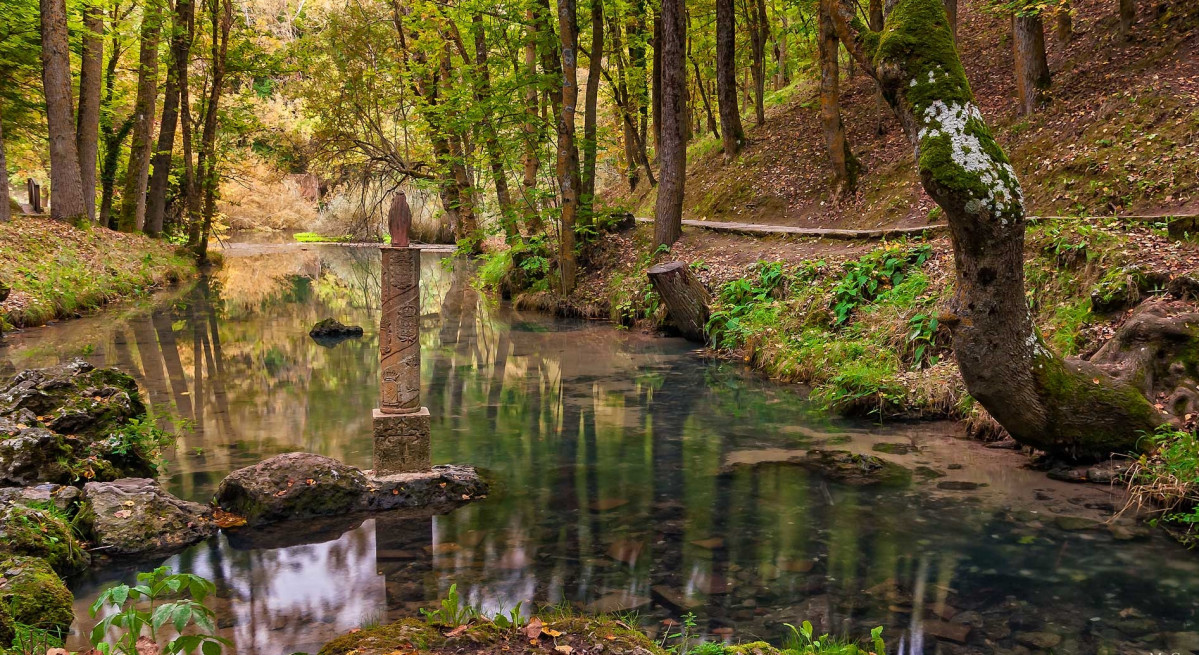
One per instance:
(457, 631)
(564, 649)
(551, 633)
(123, 514)
(610, 637)
(533, 629)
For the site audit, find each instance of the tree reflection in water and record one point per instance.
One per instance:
(612, 455)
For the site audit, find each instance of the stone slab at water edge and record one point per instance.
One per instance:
(136, 516)
(304, 485)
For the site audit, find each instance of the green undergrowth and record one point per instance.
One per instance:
(57, 271)
(1167, 479)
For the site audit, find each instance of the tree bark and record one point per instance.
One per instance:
(656, 89)
(87, 133)
(491, 140)
(221, 19)
(1128, 16)
(703, 94)
(685, 298)
(1032, 64)
(591, 115)
(726, 79)
(758, 28)
(846, 167)
(1063, 22)
(5, 193)
(951, 13)
(568, 153)
(672, 148)
(66, 182)
(132, 213)
(180, 51)
(532, 126)
(1068, 408)
(624, 108)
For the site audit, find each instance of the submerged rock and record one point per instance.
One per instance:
(136, 516)
(331, 332)
(40, 533)
(304, 485)
(35, 595)
(852, 469)
(72, 422)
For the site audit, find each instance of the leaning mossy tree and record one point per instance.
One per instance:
(1070, 408)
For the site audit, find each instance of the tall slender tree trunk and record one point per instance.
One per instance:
(532, 129)
(568, 154)
(1032, 64)
(87, 128)
(466, 219)
(221, 19)
(1128, 16)
(181, 30)
(491, 141)
(733, 134)
(758, 29)
(132, 213)
(656, 87)
(846, 167)
(875, 23)
(591, 110)
(672, 149)
(66, 182)
(624, 108)
(1063, 22)
(951, 13)
(703, 94)
(5, 193)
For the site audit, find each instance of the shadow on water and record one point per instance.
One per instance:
(628, 474)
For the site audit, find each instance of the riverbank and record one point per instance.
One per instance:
(57, 271)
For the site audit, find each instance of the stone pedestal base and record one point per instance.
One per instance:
(401, 442)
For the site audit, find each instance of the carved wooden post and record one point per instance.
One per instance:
(401, 424)
(685, 298)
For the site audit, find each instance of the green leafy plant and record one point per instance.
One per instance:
(452, 612)
(802, 641)
(158, 600)
(922, 332)
(870, 276)
(32, 640)
(513, 619)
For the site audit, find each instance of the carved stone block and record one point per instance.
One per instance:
(401, 442)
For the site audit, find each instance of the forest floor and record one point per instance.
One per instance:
(1120, 134)
(57, 271)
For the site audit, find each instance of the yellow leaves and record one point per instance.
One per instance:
(564, 649)
(551, 633)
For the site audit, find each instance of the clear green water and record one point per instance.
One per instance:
(628, 472)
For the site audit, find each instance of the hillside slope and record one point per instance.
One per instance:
(1121, 134)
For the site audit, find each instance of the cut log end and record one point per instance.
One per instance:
(685, 297)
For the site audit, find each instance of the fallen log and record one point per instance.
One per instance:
(685, 297)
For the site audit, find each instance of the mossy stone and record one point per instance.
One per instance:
(40, 533)
(35, 595)
(7, 632)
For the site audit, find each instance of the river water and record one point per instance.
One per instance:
(628, 473)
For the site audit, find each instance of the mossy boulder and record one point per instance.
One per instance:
(578, 634)
(35, 595)
(7, 631)
(71, 423)
(63, 499)
(331, 332)
(136, 516)
(40, 533)
(292, 486)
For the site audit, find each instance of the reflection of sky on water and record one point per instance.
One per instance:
(627, 472)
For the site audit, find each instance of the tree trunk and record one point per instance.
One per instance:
(951, 12)
(685, 298)
(180, 51)
(846, 167)
(1063, 22)
(568, 153)
(1128, 16)
(875, 16)
(532, 129)
(491, 141)
(87, 132)
(726, 79)
(221, 18)
(5, 193)
(656, 100)
(758, 28)
(624, 108)
(1068, 408)
(591, 116)
(132, 213)
(66, 182)
(703, 94)
(1032, 65)
(672, 149)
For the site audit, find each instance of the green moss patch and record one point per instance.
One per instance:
(27, 531)
(35, 595)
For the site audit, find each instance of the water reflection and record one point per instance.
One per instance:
(629, 474)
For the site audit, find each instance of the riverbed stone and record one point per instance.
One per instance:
(854, 469)
(136, 516)
(35, 595)
(330, 332)
(63, 498)
(40, 533)
(292, 486)
(1038, 640)
(436, 487)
